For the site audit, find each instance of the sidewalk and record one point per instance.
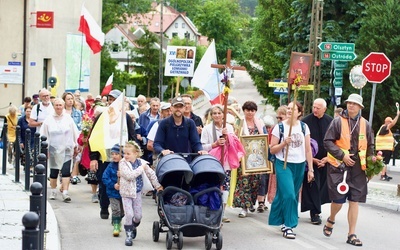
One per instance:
(14, 203)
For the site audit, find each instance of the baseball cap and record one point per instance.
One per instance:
(35, 96)
(177, 100)
(115, 93)
(165, 106)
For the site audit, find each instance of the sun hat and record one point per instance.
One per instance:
(115, 93)
(177, 100)
(356, 98)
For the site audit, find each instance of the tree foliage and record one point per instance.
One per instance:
(147, 61)
(222, 21)
(116, 11)
(379, 33)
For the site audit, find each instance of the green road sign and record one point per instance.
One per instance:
(340, 64)
(338, 73)
(338, 83)
(342, 56)
(336, 47)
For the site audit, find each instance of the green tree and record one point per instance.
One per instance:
(185, 6)
(116, 11)
(379, 33)
(261, 58)
(147, 61)
(222, 21)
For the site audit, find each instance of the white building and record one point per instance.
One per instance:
(31, 54)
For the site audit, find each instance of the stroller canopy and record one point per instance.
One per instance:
(173, 170)
(207, 169)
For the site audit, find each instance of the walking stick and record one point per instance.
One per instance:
(296, 83)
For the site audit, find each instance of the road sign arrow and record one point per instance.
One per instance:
(336, 47)
(342, 56)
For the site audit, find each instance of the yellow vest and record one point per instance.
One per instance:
(344, 143)
(384, 142)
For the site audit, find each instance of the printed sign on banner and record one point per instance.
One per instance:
(180, 61)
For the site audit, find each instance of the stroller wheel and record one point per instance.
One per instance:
(218, 244)
(180, 240)
(169, 239)
(156, 231)
(208, 240)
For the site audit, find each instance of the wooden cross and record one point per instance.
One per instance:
(227, 66)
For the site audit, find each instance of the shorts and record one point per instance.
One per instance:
(387, 154)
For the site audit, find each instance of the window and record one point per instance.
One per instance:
(176, 25)
(174, 34)
(115, 47)
(183, 25)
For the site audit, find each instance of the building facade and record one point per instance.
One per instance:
(41, 39)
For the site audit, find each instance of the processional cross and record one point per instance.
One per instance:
(228, 68)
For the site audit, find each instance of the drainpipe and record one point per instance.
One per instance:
(24, 51)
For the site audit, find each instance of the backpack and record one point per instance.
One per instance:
(271, 157)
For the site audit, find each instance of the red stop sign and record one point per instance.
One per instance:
(376, 67)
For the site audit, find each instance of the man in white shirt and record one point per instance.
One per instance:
(41, 110)
(165, 112)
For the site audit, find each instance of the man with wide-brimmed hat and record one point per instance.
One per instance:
(349, 141)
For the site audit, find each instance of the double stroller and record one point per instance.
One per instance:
(191, 203)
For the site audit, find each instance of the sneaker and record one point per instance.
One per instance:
(66, 198)
(384, 178)
(252, 209)
(226, 220)
(388, 177)
(95, 199)
(104, 214)
(53, 196)
(316, 219)
(243, 213)
(73, 180)
(261, 208)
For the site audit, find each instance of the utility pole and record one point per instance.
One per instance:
(160, 66)
(315, 38)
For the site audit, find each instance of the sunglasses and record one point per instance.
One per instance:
(279, 118)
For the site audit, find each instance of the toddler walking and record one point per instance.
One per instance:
(131, 184)
(110, 180)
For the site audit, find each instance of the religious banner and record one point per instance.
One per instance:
(180, 61)
(300, 65)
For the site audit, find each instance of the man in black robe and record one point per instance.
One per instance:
(315, 193)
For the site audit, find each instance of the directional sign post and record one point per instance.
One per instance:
(338, 83)
(341, 56)
(337, 51)
(338, 73)
(340, 64)
(333, 46)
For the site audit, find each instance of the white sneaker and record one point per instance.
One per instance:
(95, 199)
(243, 213)
(53, 195)
(66, 198)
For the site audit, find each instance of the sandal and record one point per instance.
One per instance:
(261, 207)
(353, 240)
(288, 234)
(328, 230)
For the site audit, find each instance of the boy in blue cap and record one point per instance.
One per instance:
(110, 180)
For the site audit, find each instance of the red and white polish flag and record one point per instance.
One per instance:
(92, 31)
(108, 86)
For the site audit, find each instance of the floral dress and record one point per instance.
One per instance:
(246, 186)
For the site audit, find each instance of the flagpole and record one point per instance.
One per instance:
(122, 126)
(80, 65)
